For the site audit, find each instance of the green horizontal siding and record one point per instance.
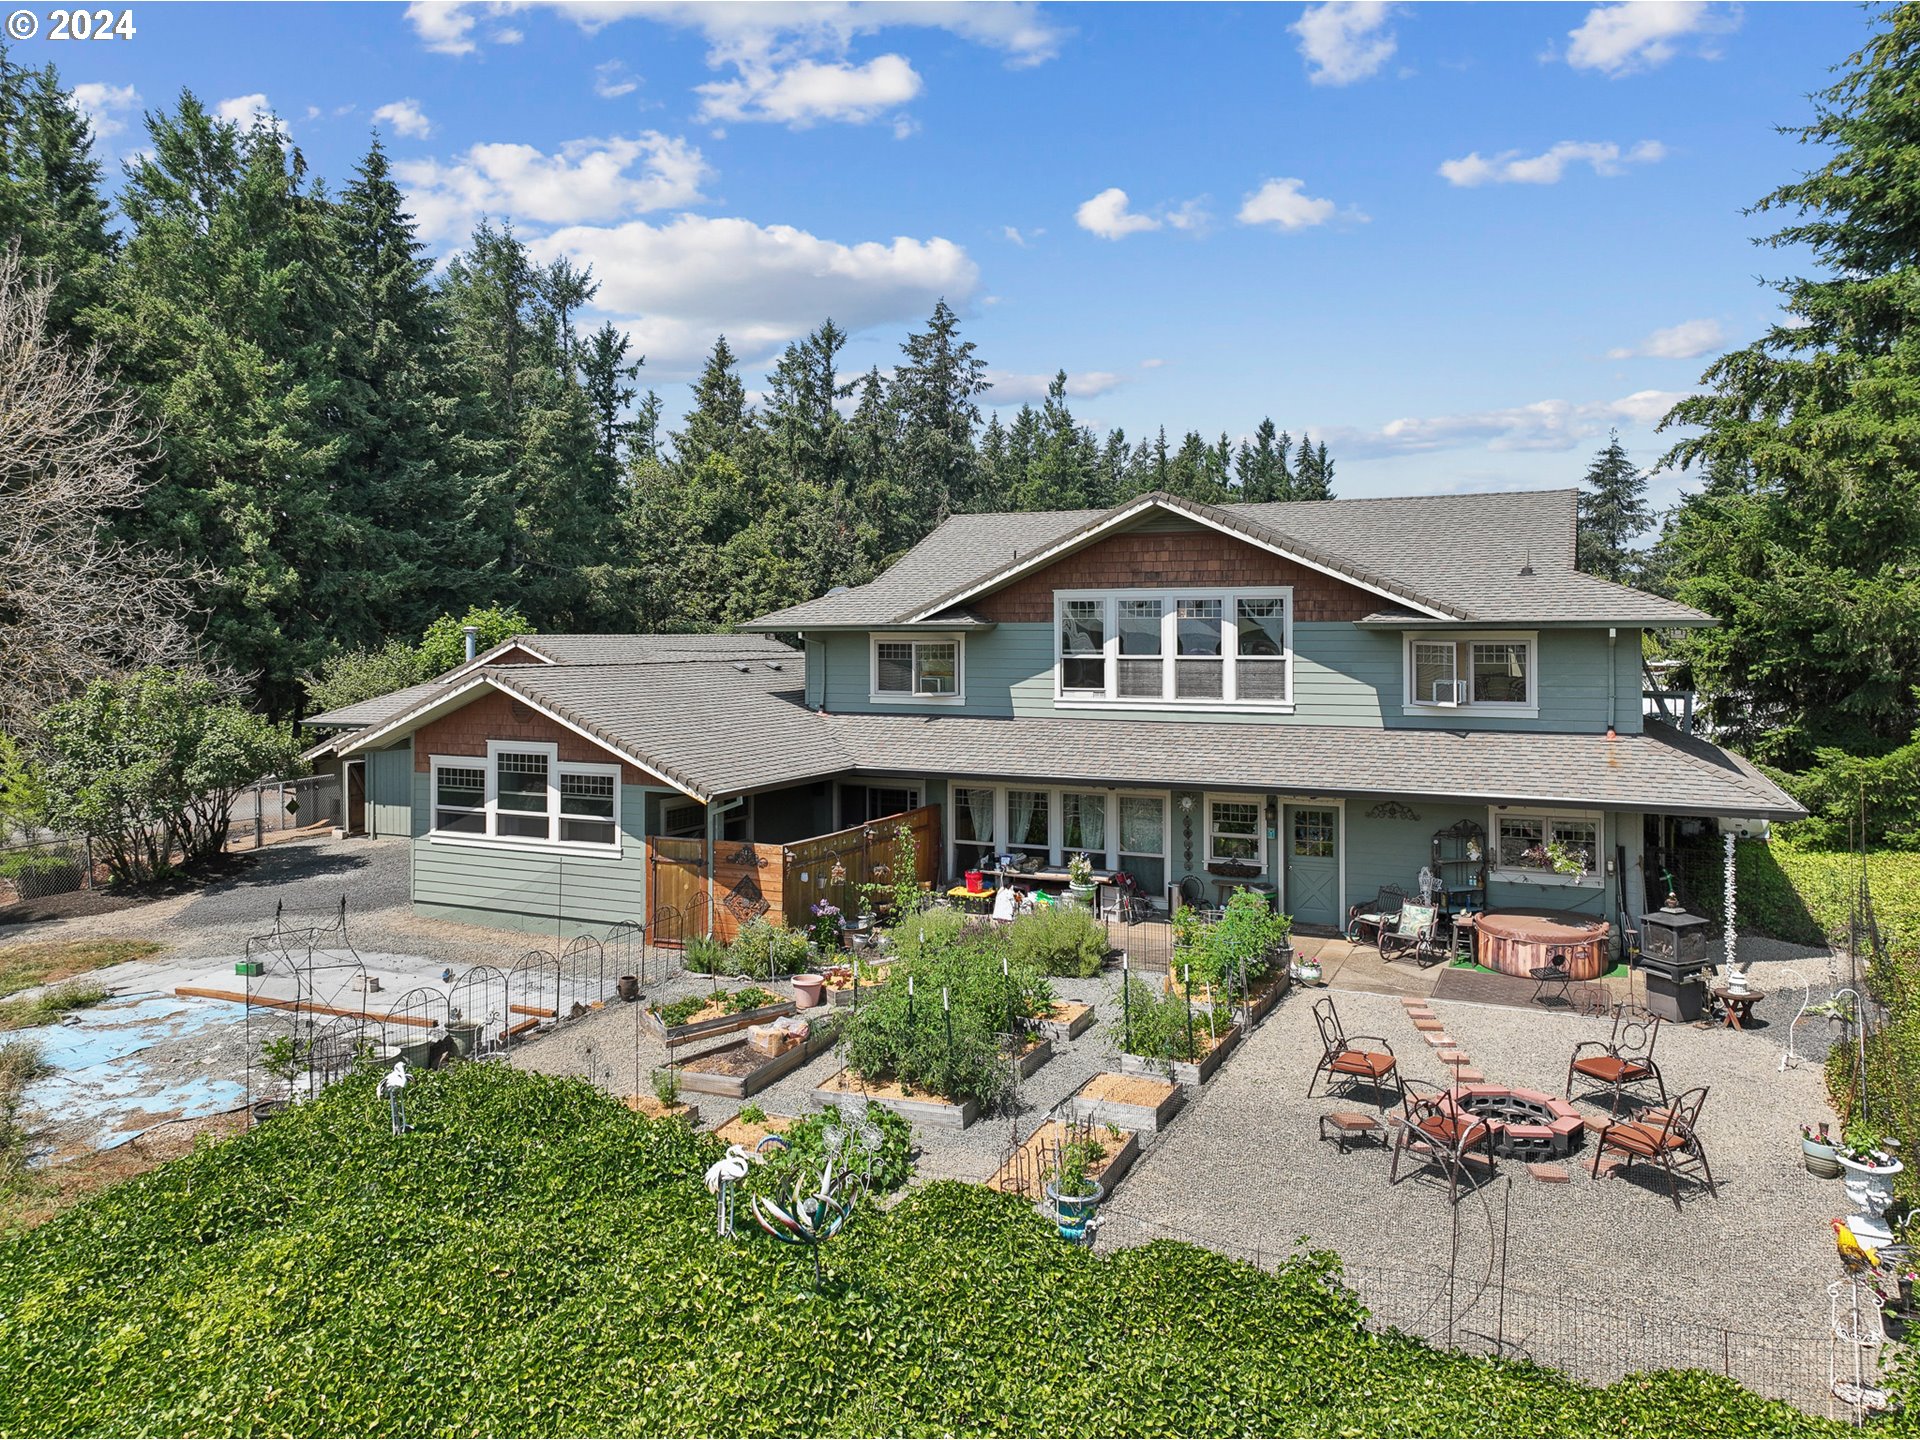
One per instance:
(530, 889)
(1342, 675)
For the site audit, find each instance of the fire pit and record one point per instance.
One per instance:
(1526, 1124)
(1516, 942)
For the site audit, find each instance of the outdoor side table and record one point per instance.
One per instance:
(1343, 1127)
(1739, 1004)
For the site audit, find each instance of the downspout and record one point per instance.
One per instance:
(715, 813)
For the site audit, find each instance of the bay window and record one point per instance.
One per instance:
(907, 668)
(1230, 648)
(1477, 674)
(523, 793)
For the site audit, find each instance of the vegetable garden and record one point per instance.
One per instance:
(534, 1259)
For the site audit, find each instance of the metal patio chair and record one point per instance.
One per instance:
(1668, 1138)
(1624, 1059)
(1415, 931)
(1375, 916)
(1441, 1134)
(1344, 1061)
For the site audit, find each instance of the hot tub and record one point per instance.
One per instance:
(1518, 942)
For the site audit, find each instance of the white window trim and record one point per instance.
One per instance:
(1169, 596)
(491, 840)
(1528, 709)
(878, 638)
(1056, 822)
(1593, 879)
(1259, 803)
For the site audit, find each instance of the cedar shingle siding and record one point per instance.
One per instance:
(1182, 559)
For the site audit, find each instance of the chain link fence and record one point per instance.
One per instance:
(274, 806)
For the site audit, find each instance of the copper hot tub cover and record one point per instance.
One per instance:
(1518, 942)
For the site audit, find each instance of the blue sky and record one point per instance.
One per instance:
(1457, 242)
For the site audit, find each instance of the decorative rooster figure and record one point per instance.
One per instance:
(1855, 1256)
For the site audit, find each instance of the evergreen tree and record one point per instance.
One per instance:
(50, 200)
(216, 314)
(719, 421)
(1807, 543)
(1613, 514)
(1312, 472)
(937, 389)
(1260, 468)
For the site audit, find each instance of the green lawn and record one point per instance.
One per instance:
(535, 1260)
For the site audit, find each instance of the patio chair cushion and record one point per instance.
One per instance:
(1362, 1062)
(1611, 1069)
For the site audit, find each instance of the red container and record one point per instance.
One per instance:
(976, 881)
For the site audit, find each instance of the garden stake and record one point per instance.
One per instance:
(909, 1003)
(948, 1009)
(856, 984)
(1186, 976)
(1126, 1000)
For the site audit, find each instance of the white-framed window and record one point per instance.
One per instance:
(523, 793)
(914, 669)
(1486, 674)
(1029, 822)
(1175, 649)
(1117, 829)
(1236, 829)
(1544, 847)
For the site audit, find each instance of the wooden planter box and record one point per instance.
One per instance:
(1067, 1020)
(869, 980)
(932, 1110)
(1016, 1177)
(1132, 1102)
(736, 1084)
(650, 1106)
(717, 1025)
(1037, 1053)
(1264, 996)
(1185, 1072)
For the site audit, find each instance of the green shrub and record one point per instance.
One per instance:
(751, 998)
(1804, 896)
(1241, 943)
(1160, 1025)
(1840, 785)
(806, 1152)
(1059, 940)
(765, 949)
(932, 932)
(704, 955)
(534, 1259)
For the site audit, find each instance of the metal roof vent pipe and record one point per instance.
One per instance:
(472, 632)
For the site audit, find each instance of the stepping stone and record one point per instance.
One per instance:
(1453, 1057)
(1550, 1174)
(1610, 1167)
(1467, 1075)
(1427, 1023)
(1413, 1002)
(1440, 1040)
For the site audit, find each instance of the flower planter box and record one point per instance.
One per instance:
(870, 979)
(1018, 1176)
(715, 1026)
(1185, 1072)
(926, 1109)
(1067, 1020)
(1036, 1054)
(650, 1106)
(733, 1076)
(1131, 1102)
(1263, 995)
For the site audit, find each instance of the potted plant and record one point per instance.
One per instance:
(1073, 1193)
(1820, 1151)
(1080, 878)
(1867, 1157)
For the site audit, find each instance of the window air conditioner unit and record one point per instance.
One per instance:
(1449, 692)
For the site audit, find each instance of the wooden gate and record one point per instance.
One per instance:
(676, 889)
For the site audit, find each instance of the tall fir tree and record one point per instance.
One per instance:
(1806, 542)
(936, 390)
(1613, 513)
(51, 204)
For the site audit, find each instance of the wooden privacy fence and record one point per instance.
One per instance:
(784, 881)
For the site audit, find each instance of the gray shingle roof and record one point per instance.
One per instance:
(650, 649)
(363, 713)
(1658, 770)
(1459, 554)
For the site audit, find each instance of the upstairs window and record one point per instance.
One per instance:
(524, 793)
(1474, 674)
(1231, 649)
(907, 669)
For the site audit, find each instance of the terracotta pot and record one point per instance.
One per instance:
(809, 990)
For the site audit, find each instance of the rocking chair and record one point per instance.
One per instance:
(1415, 931)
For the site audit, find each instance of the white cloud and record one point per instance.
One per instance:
(1640, 34)
(1543, 425)
(1344, 40)
(1010, 388)
(1685, 341)
(102, 104)
(1510, 167)
(675, 286)
(1107, 216)
(804, 92)
(1012, 232)
(445, 28)
(585, 180)
(1282, 203)
(246, 111)
(611, 80)
(406, 118)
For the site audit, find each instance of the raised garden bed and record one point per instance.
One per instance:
(1066, 1020)
(1264, 994)
(737, 1070)
(712, 1020)
(1022, 1174)
(1132, 1102)
(650, 1106)
(1187, 1072)
(919, 1105)
(735, 1131)
(1034, 1054)
(839, 989)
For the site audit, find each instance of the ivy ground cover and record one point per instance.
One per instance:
(536, 1260)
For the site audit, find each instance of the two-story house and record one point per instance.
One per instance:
(1308, 691)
